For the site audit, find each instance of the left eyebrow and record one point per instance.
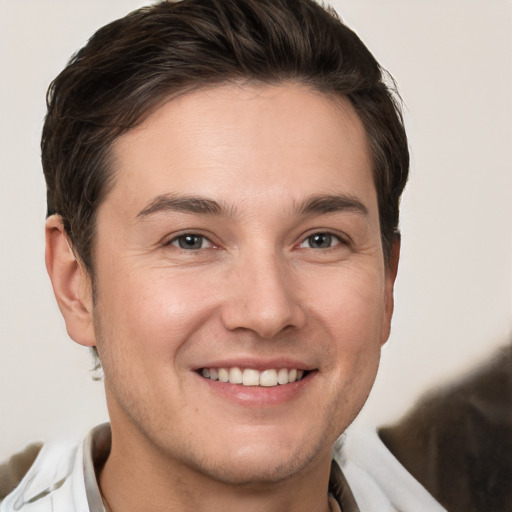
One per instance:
(322, 204)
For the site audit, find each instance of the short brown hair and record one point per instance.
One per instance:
(129, 67)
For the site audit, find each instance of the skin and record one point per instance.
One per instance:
(257, 291)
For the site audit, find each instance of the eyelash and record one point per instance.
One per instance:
(176, 241)
(327, 236)
(330, 237)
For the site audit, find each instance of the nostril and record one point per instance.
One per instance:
(263, 301)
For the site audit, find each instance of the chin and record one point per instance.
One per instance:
(256, 473)
(263, 462)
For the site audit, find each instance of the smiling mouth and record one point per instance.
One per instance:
(252, 377)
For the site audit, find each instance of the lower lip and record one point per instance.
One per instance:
(259, 396)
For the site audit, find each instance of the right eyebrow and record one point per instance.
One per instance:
(186, 204)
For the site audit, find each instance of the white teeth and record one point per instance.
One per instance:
(235, 375)
(223, 375)
(268, 378)
(251, 377)
(282, 376)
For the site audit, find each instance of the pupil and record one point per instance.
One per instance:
(190, 242)
(320, 240)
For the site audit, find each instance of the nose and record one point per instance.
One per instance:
(263, 297)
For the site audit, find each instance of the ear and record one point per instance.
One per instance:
(71, 283)
(389, 285)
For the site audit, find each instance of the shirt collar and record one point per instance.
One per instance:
(96, 451)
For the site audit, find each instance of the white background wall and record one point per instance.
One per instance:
(453, 62)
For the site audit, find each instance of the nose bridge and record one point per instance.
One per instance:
(263, 298)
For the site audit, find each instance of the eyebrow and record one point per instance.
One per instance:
(332, 203)
(314, 205)
(186, 204)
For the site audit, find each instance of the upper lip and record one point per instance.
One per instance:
(256, 363)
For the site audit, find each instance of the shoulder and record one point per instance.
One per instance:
(41, 476)
(12, 471)
(377, 479)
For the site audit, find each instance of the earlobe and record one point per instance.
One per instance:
(71, 283)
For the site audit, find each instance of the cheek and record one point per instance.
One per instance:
(353, 312)
(150, 314)
(353, 307)
(356, 382)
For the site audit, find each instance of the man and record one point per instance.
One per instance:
(223, 185)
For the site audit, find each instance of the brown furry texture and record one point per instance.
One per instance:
(458, 440)
(16, 467)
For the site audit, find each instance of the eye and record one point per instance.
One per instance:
(320, 241)
(191, 242)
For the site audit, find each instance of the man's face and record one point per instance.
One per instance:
(241, 236)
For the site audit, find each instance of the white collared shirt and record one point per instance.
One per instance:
(63, 477)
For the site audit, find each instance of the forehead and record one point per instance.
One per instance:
(271, 141)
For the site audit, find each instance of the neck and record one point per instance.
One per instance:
(139, 478)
